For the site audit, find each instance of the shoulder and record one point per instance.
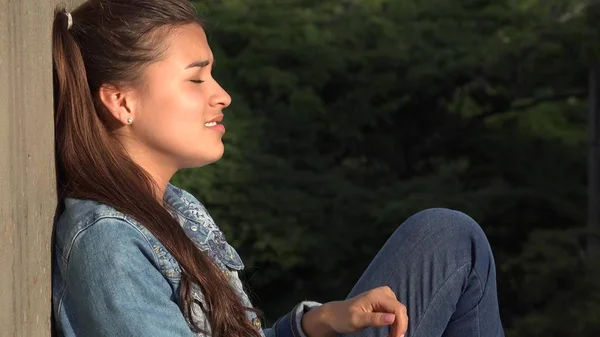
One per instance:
(96, 225)
(107, 275)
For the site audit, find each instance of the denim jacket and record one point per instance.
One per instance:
(112, 277)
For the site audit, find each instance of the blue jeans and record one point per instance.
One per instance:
(440, 265)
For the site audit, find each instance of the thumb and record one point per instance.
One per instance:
(376, 319)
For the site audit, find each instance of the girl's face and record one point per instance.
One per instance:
(177, 110)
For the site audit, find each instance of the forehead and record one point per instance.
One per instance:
(187, 44)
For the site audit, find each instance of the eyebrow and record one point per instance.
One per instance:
(199, 64)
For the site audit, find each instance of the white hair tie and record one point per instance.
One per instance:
(70, 20)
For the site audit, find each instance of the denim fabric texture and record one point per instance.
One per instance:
(440, 265)
(112, 277)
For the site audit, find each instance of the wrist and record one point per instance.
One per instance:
(316, 322)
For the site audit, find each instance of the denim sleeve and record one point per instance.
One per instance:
(114, 286)
(290, 325)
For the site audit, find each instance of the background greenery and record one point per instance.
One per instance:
(349, 116)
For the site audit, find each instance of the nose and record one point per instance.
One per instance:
(220, 98)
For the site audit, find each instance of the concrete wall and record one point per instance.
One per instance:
(27, 183)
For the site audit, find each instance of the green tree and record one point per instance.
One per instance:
(349, 116)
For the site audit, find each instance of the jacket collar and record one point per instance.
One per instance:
(191, 209)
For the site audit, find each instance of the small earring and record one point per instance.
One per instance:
(129, 120)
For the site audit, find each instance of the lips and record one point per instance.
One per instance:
(214, 123)
(216, 119)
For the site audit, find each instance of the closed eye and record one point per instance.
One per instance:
(197, 81)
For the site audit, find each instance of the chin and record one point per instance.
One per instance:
(204, 159)
(215, 158)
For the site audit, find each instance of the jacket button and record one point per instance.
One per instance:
(194, 228)
(256, 323)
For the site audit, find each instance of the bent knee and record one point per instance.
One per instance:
(442, 225)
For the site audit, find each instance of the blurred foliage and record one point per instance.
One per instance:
(350, 115)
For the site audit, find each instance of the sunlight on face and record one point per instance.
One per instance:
(180, 106)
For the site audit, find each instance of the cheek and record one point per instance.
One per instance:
(180, 112)
(175, 127)
(192, 105)
(182, 124)
(188, 118)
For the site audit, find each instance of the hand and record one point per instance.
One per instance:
(375, 308)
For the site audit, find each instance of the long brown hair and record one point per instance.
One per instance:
(111, 42)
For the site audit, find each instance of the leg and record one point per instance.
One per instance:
(440, 265)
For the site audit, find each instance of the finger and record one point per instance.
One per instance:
(378, 301)
(400, 325)
(375, 294)
(389, 305)
(363, 320)
(388, 291)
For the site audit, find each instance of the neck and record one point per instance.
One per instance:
(156, 166)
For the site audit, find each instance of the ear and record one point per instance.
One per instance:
(118, 103)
